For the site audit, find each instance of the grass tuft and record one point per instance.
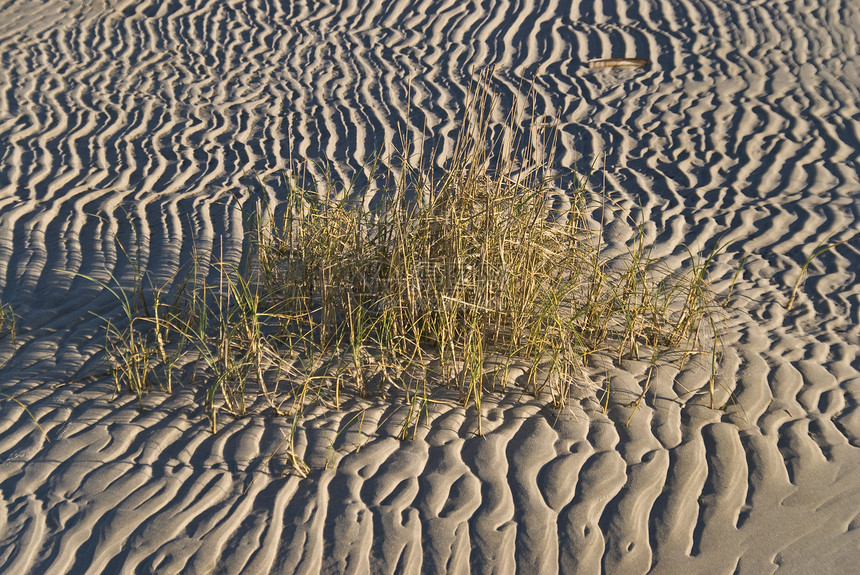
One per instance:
(7, 323)
(448, 282)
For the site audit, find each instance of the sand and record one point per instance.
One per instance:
(140, 122)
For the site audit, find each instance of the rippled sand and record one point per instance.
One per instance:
(140, 122)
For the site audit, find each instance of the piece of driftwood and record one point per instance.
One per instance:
(618, 63)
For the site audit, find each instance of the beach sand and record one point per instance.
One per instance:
(139, 124)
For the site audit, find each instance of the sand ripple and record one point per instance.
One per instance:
(142, 122)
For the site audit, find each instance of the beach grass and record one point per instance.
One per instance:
(821, 248)
(448, 282)
(7, 323)
(8, 334)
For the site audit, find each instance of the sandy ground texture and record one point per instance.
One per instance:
(138, 121)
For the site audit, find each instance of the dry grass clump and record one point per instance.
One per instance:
(7, 322)
(449, 282)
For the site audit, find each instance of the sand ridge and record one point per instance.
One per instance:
(141, 121)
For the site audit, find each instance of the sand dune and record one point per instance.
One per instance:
(139, 124)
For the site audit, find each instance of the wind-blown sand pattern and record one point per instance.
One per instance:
(139, 121)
